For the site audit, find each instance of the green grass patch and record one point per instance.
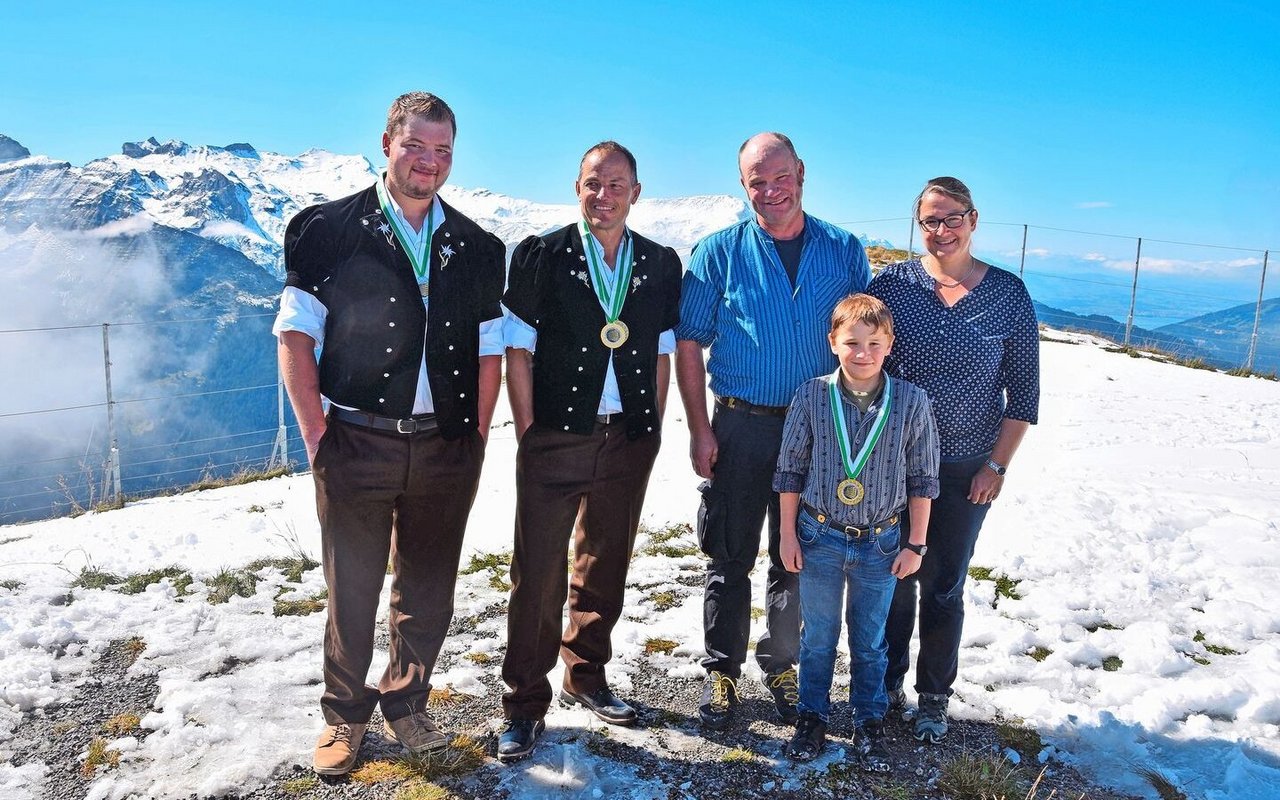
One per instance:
(122, 724)
(664, 600)
(1015, 736)
(256, 509)
(1112, 663)
(738, 755)
(302, 785)
(134, 647)
(94, 578)
(300, 607)
(487, 561)
(1165, 788)
(12, 584)
(99, 756)
(1039, 653)
(498, 583)
(138, 582)
(463, 755)
(974, 776)
(291, 566)
(660, 645)
(237, 478)
(1216, 649)
(423, 790)
(1005, 586)
(231, 583)
(1245, 372)
(665, 541)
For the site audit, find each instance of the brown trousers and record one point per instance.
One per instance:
(400, 496)
(592, 486)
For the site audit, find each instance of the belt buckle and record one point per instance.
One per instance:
(400, 426)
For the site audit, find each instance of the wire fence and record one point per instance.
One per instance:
(140, 408)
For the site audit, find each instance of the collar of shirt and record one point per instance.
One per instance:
(610, 273)
(415, 236)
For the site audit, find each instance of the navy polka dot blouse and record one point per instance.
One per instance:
(979, 360)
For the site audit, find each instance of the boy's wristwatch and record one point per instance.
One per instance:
(918, 549)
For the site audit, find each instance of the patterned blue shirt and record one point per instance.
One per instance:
(766, 336)
(903, 464)
(979, 360)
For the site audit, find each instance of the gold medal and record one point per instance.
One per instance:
(614, 335)
(850, 492)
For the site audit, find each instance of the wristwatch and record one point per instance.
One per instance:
(918, 549)
(999, 469)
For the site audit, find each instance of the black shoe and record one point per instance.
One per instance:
(604, 704)
(518, 738)
(786, 694)
(898, 706)
(719, 697)
(810, 736)
(868, 741)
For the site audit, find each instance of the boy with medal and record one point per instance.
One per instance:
(590, 313)
(857, 449)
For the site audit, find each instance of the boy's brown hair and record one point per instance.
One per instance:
(862, 308)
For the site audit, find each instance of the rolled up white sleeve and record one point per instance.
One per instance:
(300, 311)
(517, 333)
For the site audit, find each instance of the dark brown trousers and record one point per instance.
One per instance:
(592, 486)
(400, 496)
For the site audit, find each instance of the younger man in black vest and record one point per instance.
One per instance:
(403, 292)
(592, 307)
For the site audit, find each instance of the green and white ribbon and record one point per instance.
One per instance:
(853, 465)
(420, 251)
(611, 298)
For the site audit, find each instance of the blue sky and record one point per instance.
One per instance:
(1153, 119)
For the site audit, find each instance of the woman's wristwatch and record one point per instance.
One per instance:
(999, 469)
(918, 549)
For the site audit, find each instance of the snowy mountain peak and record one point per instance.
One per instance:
(151, 146)
(11, 149)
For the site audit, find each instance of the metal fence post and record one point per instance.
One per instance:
(911, 238)
(280, 452)
(1257, 313)
(1133, 295)
(1023, 263)
(113, 455)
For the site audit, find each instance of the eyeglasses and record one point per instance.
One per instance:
(951, 221)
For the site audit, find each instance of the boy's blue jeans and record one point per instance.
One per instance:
(857, 570)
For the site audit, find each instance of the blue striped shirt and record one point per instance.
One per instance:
(979, 360)
(766, 336)
(903, 464)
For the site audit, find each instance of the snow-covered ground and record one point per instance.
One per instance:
(1140, 519)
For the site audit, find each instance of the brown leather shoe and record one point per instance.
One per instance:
(337, 748)
(418, 732)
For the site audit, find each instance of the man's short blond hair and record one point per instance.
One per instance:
(418, 104)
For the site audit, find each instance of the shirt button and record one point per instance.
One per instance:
(584, 349)
(455, 372)
(391, 324)
(575, 388)
(579, 369)
(393, 299)
(388, 349)
(570, 408)
(380, 400)
(637, 372)
(566, 427)
(447, 324)
(649, 429)
(646, 411)
(633, 352)
(642, 391)
(466, 419)
(450, 347)
(386, 374)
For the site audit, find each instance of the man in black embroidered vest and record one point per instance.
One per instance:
(591, 312)
(403, 292)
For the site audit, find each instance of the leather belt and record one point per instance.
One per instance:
(419, 424)
(609, 419)
(852, 531)
(738, 404)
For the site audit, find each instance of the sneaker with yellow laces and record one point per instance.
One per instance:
(719, 697)
(786, 694)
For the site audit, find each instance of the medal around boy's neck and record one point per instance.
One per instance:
(861, 388)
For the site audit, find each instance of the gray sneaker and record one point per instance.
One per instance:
(931, 722)
(898, 706)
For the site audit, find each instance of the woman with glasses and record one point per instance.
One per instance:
(966, 334)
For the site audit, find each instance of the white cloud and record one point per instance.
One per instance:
(1095, 204)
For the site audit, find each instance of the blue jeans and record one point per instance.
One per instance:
(859, 571)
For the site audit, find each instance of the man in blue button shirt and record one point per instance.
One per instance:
(759, 295)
